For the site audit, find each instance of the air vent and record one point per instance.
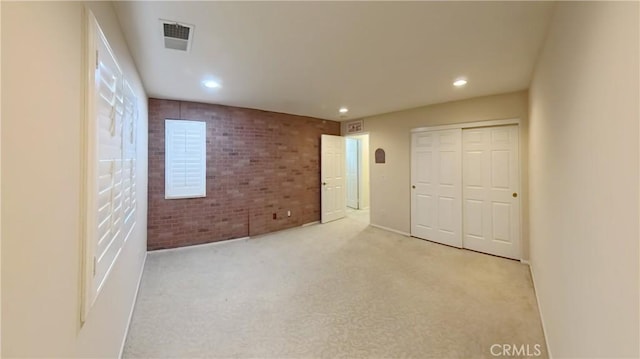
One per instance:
(177, 36)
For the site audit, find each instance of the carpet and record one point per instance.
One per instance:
(336, 290)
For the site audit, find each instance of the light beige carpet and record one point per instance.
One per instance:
(335, 290)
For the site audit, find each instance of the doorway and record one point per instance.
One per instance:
(345, 177)
(357, 176)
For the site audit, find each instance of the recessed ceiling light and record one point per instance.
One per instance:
(459, 82)
(210, 84)
(343, 110)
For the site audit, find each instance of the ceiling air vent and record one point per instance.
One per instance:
(177, 36)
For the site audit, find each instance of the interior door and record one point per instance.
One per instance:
(353, 171)
(436, 211)
(490, 190)
(332, 174)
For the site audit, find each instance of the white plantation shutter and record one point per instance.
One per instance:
(110, 197)
(185, 159)
(109, 106)
(129, 154)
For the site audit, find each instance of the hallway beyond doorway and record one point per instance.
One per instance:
(360, 215)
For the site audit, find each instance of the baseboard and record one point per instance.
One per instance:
(390, 229)
(524, 261)
(224, 241)
(310, 224)
(198, 245)
(133, 307)
(535, 291)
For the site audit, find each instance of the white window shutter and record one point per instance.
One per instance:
(185, 159)
(110, 110)
(105, 173)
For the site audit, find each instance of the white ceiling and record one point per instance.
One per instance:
(310, 58)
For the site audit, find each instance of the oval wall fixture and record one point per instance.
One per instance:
(380, 156)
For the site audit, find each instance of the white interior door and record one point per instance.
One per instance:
(436, 210)
(490, 190)
(353, 173)
(332, 173)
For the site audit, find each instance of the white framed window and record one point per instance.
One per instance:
(185, 159)
(110, 164)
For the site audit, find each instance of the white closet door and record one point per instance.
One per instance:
(490, 190)
(436, 212)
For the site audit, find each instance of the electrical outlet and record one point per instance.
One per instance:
(275, 216)
(288, 213)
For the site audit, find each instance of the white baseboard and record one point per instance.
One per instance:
(524, 261)
(198, 245)
(310, 224)
(390, 229)
(535, 291)
(133, 307)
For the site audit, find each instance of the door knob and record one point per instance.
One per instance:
(414, 186)
(514, 195)
(324, 183)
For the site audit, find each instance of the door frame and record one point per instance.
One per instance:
(493, 123)
(360, 174)
(358, 170)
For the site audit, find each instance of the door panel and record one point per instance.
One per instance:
(333, 176)
(500, 178)
(446, 208)
(423, 174)
(436, 186)
(491, 176)
(501, 221)
(473, 216)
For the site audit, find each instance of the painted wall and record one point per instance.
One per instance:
(390, 182)
(584, 180)
(258, 163)
(0, 187)
(42, 112)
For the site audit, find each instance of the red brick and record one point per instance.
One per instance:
(258, 163)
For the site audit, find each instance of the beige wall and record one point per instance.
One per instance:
(390, 182)
(42, 114)
(584, 180)
(364, 170)
(0, 186)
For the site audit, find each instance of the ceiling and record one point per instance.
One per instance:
(310, 58)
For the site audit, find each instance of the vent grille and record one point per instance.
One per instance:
(176, 31)
(177, 36)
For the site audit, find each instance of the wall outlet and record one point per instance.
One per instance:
(275, 216)
(288, 213)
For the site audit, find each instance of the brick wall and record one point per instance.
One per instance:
(258, 163)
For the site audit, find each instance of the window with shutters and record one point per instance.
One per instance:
(110, 189)
(185, 159)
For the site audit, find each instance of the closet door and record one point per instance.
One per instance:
(491, 204)
(436, 197)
